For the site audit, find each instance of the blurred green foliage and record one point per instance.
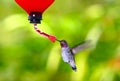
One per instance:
(27, 56)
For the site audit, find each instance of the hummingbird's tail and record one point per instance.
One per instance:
(74, 68)
(73, 65)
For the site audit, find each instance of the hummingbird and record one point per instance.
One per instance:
(68, 53)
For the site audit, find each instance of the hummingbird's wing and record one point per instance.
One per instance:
(81, 47)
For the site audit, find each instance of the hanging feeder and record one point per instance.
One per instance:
(34, 8)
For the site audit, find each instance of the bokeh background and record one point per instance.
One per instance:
(27, 56)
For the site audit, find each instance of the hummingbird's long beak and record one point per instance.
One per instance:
(58, 40)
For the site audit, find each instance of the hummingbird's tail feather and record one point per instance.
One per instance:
(73, 65)
(74, 68)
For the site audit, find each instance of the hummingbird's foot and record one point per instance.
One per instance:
(74, 68)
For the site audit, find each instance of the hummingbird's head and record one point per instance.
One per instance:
(63, 43)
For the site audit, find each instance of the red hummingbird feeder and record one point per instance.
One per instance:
(34, 8)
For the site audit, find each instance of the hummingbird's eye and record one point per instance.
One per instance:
(62, 44)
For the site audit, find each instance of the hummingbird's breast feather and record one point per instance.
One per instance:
(66, 53)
